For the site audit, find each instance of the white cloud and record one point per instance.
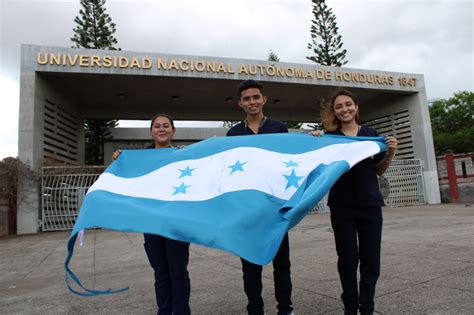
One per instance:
(431, 37)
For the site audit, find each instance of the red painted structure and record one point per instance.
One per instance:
(456, 170)
(452, 178)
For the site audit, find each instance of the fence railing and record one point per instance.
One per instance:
(403, 182)
(406, 183)
(62, 192)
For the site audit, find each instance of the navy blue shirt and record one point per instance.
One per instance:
(268, 126)
(358, 187)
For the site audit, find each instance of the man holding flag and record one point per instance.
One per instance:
(252, 100)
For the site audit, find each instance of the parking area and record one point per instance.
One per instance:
(427, 268)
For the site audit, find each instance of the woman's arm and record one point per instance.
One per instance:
(392, 145)
(116, 154)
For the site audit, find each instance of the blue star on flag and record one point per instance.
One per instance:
(237, 167)
(292, 179)
(291, 164)
(186, 172)
(181, 189)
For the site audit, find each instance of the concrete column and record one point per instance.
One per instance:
(29, 145)
(423, 144)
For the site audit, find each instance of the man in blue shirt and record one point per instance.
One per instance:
(252, 100)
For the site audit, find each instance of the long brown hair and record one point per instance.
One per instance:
(328, 117)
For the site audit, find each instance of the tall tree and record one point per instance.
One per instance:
(326, 43)
(95, 30)
(96, 132)
(452, 121)
(272, 56)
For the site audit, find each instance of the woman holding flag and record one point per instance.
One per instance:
(168, 258)
(356, 204)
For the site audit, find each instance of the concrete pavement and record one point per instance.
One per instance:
(427, 268)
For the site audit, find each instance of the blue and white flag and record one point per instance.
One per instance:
(239, 194)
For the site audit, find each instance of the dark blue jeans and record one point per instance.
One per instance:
(281, 276)
(358, 235)
(169, 259)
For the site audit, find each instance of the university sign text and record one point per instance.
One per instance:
(206, 66)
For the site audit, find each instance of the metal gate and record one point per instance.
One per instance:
(64, 188)
(62, 192)
(406, 183)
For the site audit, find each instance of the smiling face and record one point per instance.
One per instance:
(162, 131)
(252, 101)
(345, 109)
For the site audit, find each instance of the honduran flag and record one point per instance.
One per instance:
(238, 194)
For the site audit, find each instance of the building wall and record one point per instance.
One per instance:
(464, 167)
(54, 79)
(407, 118)
(137, 138)
(36, 150)
(30, 131)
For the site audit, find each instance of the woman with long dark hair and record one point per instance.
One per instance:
(356, 204)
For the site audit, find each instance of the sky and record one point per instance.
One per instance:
(430, 37)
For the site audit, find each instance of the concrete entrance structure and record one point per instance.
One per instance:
(62, 86)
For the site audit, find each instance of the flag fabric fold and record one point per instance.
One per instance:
(239, 194)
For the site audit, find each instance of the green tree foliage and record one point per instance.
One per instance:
(273, 57)
(13, 172)
(326, 43)
(452, 121)
(96, 132)
(95, 30)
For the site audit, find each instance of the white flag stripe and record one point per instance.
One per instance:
(262, 170)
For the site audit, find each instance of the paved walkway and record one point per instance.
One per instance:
(427, 268)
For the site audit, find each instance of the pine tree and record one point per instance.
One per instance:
(95, 30)
(96, 132)
(326, 43)
(273, 57)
